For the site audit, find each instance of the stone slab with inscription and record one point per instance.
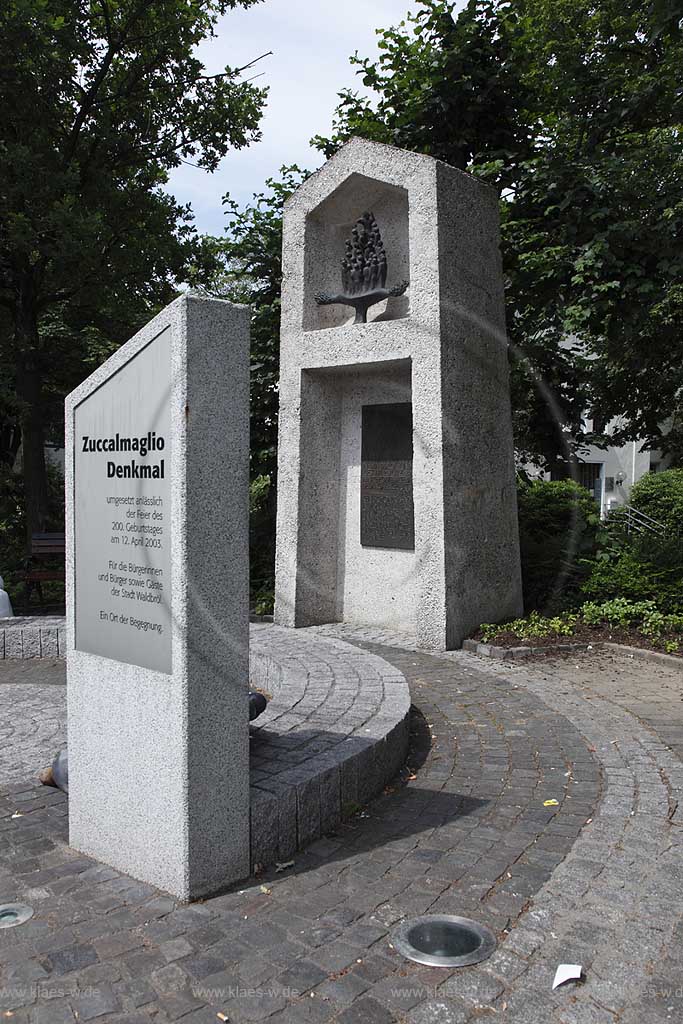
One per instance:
(122, 500)
(157, 602)
(387, 517)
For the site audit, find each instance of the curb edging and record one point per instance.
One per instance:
(523, 653)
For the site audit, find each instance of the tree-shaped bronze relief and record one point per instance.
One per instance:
(364, 271)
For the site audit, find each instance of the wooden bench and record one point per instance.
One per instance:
(44, 546)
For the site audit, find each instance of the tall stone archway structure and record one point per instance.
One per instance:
(396, 489)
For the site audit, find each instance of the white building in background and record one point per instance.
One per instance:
(610, 473)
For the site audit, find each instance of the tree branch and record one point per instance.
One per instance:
(235, 71)
(90, 96)
(107, 19)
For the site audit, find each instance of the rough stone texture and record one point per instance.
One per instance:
(33, 636)
(522, 653)
(444, 839)
(332, 706)
(32, 717)
(444, 343)
(158, 763)
(335, 712)
(596, 880)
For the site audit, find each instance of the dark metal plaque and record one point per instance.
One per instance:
(387, 518)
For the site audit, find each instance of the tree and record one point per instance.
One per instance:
(98, 102)
(251, 261)
(572, 110)
(454, 89)
(596, 220)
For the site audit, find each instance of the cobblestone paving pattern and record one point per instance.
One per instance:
(32, 716)
(468, 834)
(616, 902)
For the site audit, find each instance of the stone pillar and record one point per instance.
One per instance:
(438, 353)
(157, 602)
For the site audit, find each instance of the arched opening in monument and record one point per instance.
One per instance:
(330, 225)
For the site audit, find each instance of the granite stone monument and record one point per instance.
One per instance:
(157, 602)
(396, 482)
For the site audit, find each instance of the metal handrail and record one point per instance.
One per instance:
(640, 522)
(639, 514)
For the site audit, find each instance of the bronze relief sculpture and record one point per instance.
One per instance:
(364, 271)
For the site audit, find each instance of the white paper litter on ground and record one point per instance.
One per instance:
(567, 972)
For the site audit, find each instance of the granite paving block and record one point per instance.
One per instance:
(384, 863)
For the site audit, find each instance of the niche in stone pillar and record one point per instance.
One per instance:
(376, 564)
(329, 226)
(347, 574)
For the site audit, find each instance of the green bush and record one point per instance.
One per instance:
(534, 626)
(558, 524)
(13, 547)
(12, 527)
(645, 615)
(261, 545)
(660, 496)
(640, 568)
(642, 618)
(620, 612)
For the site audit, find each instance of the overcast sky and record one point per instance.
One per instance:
(311, 42)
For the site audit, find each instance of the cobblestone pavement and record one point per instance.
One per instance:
(594, 880)
(654, 695)
(334, 733)
(32, 716)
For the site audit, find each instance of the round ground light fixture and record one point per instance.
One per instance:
(12, 914)
(442, 940)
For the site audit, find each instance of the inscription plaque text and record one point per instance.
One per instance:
(122, 522)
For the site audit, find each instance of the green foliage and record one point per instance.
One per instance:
(649, 619)
(251, 257)
(262, 543)
(656, 624)
(660, 496)
(567, 554)
(643, 566)
(534, 626)
(449, 87)
(100, 101)
(13, 530)
(619, 612)
(259, 489)
(643, 618)
(558, 523)
(573, 109)
(250, 262)
(645, 569)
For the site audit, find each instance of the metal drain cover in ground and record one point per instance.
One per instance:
(442, 940)
(12, 914)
